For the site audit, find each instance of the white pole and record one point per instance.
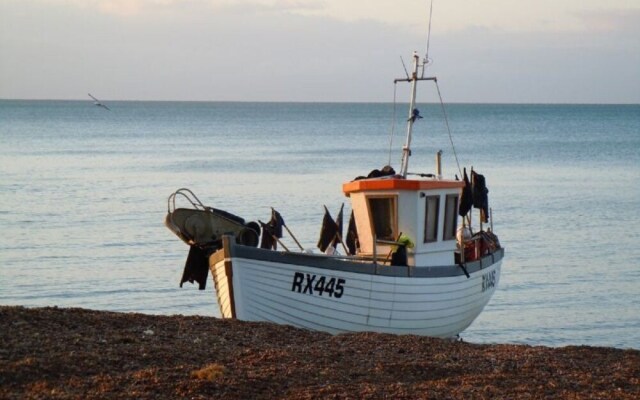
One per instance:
(406, 150)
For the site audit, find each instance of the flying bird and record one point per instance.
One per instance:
(98, 103)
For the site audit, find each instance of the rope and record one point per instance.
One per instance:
(446, 121)
(393, 122)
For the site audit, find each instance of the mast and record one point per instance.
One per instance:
(414, 114)
(406, 150)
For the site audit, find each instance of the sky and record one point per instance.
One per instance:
(490, 51)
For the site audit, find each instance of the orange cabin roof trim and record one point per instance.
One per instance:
(398, 184)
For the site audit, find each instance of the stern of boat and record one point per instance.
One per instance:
(222, 274)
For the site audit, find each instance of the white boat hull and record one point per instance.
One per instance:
(333, 295)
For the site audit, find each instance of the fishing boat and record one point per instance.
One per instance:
(413, 262)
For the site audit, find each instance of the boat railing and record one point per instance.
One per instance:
(348, 257)
(187, 194)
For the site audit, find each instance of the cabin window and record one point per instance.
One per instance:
(431, 218)
(450, 217)
(383, 217)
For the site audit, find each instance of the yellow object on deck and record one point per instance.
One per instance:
(405, 241)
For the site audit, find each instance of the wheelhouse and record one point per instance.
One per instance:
(425, 210)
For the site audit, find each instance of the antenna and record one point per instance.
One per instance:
(427, 61)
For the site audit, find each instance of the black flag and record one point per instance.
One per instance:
(352, 235)
(277, 222)
(272, 230)
(338, 227)
(480, 194)
(466, 200)
(328, 231)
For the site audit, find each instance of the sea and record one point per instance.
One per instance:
(84, 192)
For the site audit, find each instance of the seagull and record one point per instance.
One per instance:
(97, 103)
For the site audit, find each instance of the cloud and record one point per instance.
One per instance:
(132, 8)
(448, 16)
(620, 20)
(301, 51)
(123, 8)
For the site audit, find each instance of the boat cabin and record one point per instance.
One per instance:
(425, 210)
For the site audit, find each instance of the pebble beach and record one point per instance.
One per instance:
(73, 353)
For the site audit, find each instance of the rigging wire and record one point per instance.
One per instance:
(405, 68)
(393, 121)
(446, 121)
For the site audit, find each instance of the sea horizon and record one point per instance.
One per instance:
(89, 100)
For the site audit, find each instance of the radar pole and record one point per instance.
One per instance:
(413, 112)
(406, 150)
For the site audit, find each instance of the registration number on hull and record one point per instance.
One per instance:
(489, 280)
(317, 285)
